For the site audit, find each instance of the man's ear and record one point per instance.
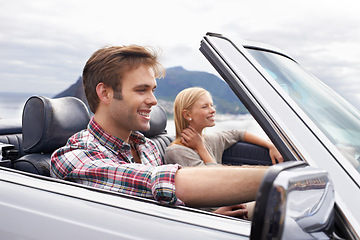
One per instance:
(104, 92)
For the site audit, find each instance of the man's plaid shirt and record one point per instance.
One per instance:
(95, 158)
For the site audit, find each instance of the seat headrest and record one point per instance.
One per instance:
(48, 123)
(158, 121)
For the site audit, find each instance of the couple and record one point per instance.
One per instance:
(119, 84)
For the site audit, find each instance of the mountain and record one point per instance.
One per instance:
(75, 90)
(177, 79)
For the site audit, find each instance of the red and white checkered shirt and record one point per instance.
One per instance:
(95, 158)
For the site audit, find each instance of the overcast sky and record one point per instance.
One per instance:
(45, 44)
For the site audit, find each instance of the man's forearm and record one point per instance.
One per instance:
(217, 186)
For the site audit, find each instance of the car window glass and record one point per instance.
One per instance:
(334, 116)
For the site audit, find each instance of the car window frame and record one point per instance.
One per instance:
(284, 134)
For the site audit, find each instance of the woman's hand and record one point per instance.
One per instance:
(192, 139)
(275, 154)
(238, 211)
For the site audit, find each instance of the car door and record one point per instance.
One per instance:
(37, 207)
(296, 134)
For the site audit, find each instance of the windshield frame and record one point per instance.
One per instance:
(287, 126)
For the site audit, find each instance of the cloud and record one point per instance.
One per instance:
(45, 44)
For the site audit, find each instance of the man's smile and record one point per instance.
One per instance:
(145, 114)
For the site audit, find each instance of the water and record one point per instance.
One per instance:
(243, 122)
(11, 106)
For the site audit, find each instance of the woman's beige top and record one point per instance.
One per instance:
(215, 143)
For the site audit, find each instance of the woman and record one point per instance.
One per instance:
(193, 112)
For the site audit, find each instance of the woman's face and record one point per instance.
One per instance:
(202, 113)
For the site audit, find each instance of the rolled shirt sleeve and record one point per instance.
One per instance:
(86, 160)
(92, 169)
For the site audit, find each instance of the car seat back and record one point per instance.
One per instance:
(46, 126)
(10, 134)
(157, 132)
(48, 123)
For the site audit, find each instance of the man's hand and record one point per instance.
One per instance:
(238, 211)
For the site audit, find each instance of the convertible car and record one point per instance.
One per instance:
(314, 194)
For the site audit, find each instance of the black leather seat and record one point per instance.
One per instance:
(243, 153)
(10, 133)
(157, 132)
(46, 125)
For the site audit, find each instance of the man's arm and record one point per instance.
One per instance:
(217, 186)
(94, 168)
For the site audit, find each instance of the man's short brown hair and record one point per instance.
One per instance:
(108, 65)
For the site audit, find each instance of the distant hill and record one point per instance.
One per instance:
(75, 90)
(177, 79)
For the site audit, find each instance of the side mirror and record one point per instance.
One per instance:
(294, 201)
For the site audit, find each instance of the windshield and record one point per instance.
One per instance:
(334, 116)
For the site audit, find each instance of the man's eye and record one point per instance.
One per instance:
(141, 90)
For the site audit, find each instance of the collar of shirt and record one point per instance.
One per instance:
(113, 143)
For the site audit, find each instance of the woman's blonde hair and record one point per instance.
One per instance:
(184, 101)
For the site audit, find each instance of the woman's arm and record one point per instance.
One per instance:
(274, 153)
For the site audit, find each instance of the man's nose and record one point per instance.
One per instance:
(151, 100)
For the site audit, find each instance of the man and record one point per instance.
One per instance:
(119, 84)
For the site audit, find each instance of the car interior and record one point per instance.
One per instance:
(48, 123)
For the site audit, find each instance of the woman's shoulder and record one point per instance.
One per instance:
(225, 133)
(224, 137)
(212, 136)
(176, 150)
(179, 154)
(175, 147)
